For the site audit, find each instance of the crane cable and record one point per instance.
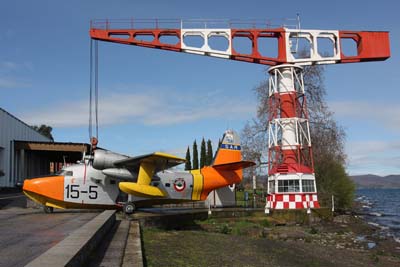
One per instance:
(94, 93)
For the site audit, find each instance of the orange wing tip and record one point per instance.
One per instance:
(141, 190)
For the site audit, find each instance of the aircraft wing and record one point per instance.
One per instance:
(146, 166)
(158, 160)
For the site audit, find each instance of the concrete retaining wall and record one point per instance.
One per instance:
(75, 249)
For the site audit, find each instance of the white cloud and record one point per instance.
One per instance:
(11, 83)
(9, 70)
(11, 66)
(8, 66)
(382, 156)
(376, 157)
(149, 108)
(382, 114)
(373, 146)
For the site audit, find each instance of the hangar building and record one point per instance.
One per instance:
(25, 153)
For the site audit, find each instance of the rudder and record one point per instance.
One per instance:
(229, 150)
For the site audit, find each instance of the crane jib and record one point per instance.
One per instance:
(369, 45)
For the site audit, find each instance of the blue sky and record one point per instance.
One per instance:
(158, 100)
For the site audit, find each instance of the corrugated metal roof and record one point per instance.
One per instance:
(12, 128)
(14, 117)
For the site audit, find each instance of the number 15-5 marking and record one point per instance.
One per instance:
(73, 191)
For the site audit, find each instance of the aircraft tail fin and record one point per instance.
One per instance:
(229, 150)
(227, 167)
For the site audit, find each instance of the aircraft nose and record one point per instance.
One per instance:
(52, 187)
(30, 185)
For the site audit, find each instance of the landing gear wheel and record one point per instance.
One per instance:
(48, 209)
(129, 208)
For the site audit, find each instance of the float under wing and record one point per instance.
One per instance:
(146, 166)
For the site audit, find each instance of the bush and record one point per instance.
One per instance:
(225, 229)
(333, 180)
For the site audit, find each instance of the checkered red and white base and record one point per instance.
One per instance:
(292, 201)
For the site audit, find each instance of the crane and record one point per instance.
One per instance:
(291, 178)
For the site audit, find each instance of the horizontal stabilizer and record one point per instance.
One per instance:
(233, 166)
(141, 190)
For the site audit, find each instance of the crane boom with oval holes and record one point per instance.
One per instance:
(291, 178)
(371, 45)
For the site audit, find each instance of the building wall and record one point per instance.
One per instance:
(11, 128)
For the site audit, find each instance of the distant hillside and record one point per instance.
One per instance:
(375, 181)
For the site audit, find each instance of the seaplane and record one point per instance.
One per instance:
(99, 180)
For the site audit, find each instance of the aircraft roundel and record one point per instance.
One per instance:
(179, 184)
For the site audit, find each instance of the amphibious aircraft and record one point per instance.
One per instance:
(97, 181)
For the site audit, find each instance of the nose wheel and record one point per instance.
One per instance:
(48, 209)
(129, 208)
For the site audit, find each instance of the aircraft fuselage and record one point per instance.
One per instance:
(82, 186)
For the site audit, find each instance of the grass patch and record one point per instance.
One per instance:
(266, 223)
(224, 229)
(246, 241)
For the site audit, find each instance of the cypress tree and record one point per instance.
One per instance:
(188, 164)
(219, 145)
(203, 153)
(209, 157)
(195, 164)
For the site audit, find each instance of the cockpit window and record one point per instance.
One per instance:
(65, 173)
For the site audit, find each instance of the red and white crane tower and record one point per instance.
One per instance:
(291, 178)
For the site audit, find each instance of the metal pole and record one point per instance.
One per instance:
(254, 191)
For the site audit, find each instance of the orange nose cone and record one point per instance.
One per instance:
(51, 187)
(29, 186)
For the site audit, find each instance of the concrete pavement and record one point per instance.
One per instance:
(27, 233)
(75, 249)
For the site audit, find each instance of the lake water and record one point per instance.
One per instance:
(382, 208)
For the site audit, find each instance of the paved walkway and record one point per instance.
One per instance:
(27, 233)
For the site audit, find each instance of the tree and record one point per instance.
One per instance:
(188, 164)
(333, 180)
(195, 164)
(219, 145)
(326, 135)
(44, 130)
(209, 157)
(202, 153)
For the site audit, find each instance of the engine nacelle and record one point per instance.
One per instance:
(104, 159)
(120, 173)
